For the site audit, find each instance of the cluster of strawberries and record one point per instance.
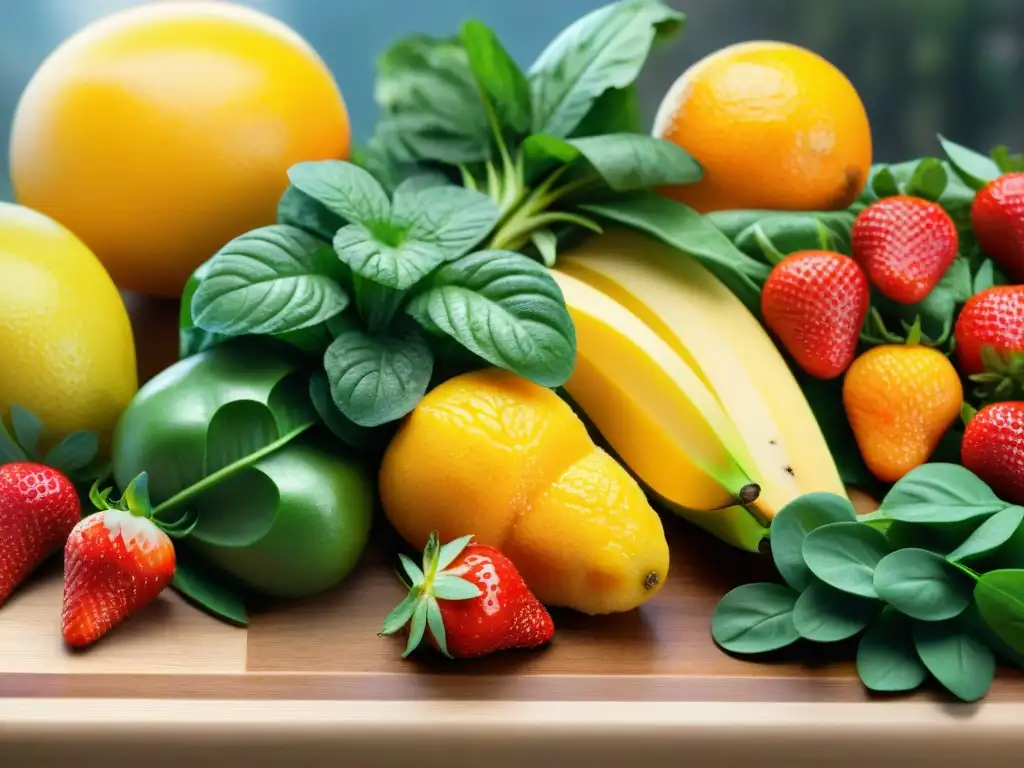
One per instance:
(901, 399)
(115, 561)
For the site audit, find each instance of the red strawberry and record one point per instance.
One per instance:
(993, 449)
(115, 562)
(997, 216)
(38, 508)
(905, 245)
(470, 601)
(815, 302)
(992, 318)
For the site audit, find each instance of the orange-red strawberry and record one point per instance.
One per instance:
(900, 400)
(115, 562)
(469, 600)
(905, 245)
(38, 508)
(992, 318)
(993, 449)
(997, 217)
(815, 303)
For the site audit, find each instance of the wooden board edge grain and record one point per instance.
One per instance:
(313, 733)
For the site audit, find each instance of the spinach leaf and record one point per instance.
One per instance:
(824, 614)
(629, 162)
(605, 49)
(975, 169)
(939, 493)
(755, 618)
(505, 308)
(963, 664)
(887, 660)
(343, 188)
(990, 535)
(452, 218)
(845, 555)
(272, 279)
(377, 378)
(791, 525)
(500, 80)
(999, 596)
(922, 585)
(299, 210)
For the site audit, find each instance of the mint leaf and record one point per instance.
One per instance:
(343, 188)
(375, 379)
(974, 168)
(505, 308)
(270, 280)
(453, 218)
(501, 81)
(297, 209)
(398, 266)
(605, 49)
(629, 162)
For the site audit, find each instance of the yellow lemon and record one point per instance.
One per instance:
(66, 347)
(491, 454)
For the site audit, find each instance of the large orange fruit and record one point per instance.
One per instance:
(159, 133)
(774, 126)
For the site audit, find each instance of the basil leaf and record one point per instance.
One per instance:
(343, 188)
(974, 168)
(269, 280)
(299, 210)
(238, 511)
(339, 425)
(376, 379)
(939, 493)
(963, 664)
(425, 87)
(990, 535)
(605, 49)
(501, 81)
(398, 266)
(191, 339)
(791, 525)
(210, 590)
(386, 156)
(755, 618)
(453, 218)
(1000, 599)
(844, 556)
(922, 585)
(823, 614)
(630, 162)
(505, 308)
(681, 227)
(887, 660)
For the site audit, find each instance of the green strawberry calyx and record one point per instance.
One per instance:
(75, 455)
(875, 333)
(135, 500)
(1003, 377)
(427, 585)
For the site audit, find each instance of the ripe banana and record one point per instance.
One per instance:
(726, 346)
(654, 411)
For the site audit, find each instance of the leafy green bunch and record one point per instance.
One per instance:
(930, 584)
(952, 181)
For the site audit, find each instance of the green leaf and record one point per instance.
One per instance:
(412, 570)
(375, 379)
(922, 585)
(543, 154)
(10, 451)
(792, 232)
(436, 623)
(210, 590)
(299, 210)
(401, 614)
(683, 228)
(826, 615)
(844, 556)
(546, 243)
(448, 586)
(447, 554)
(963, 664)
(136, 496)
(237, 511)
(984, 278)
(507, 309)
(76, 451)
(290, 403)
(1007, 162)
(628, 161)
(605, 49)
(426, 89)
(929, 179)
(336, 422)
(791, 525)
(398, 266)
(417, 626)
(500, 80)
(343, 188)
(1000, 599)
(617, 110)
(974, 168)
(27, 429)
(940, 493)
(191, 339)
(990, 535)
(452, 218)
(755, 618)
(238, 429)
(884, 184)
(270, 280)
(887, 660)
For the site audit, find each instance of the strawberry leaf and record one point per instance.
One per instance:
(1008, 163)
(436, 624)
(136, 496)
(416, 627)
(400, 616)
(413, 570)
(975, 169)
(448, 586)
(451, 550)
(27, 429)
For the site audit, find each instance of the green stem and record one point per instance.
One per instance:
(528, 216)
(377, 303)
(196, 489)
(965, 569)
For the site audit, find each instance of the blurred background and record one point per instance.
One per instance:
(921, 66)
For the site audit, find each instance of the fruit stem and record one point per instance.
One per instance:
(749, 493)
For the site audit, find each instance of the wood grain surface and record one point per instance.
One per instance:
(327, 647)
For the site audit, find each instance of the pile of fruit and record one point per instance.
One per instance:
(521, 324)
